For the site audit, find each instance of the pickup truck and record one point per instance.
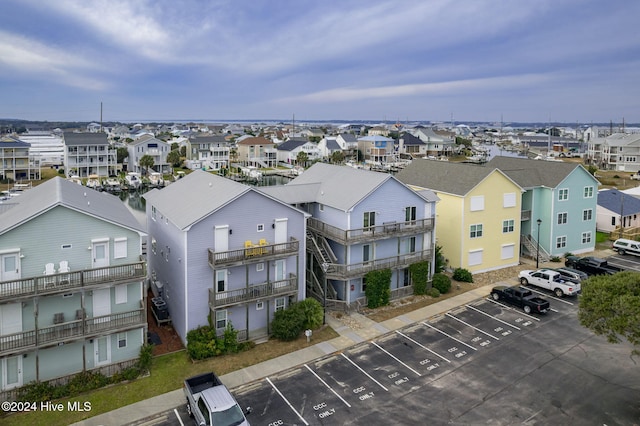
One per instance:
(209, 402)
(591, 265)
(550, 280)
(521, 297)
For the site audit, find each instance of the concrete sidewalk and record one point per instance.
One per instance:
(138, 412)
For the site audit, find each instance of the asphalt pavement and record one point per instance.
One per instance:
(139, 412)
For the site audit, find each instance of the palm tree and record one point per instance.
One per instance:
(301, 158)
(146, 162)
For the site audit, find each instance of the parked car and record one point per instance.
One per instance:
(550, 279)
(624, 246)
(521, 297)
(209, 402)
(573, 274)
(591, 265)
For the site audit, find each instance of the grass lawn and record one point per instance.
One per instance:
(167, 374)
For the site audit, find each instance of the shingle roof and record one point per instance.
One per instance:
(531, 173)
(71, 138)
(409, 139)
(60, 192)
(255, 141)
(443, 176)
(194, 197)
(332, 145)
(619, 202)
(11, 142)
(291, 144)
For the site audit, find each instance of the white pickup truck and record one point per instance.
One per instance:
(210, 403)
(551, 280)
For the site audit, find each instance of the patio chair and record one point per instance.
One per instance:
(49, 269)
(64, 268)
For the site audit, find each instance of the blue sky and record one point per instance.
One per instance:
(473, 60)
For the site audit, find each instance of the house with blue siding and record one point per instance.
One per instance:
(558, 205)
(361, 221)
(221, 253)
(72, 285)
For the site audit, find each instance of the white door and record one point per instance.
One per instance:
(221, 238)
(279, 274)
(101, 304)
(102, 347)
(281, 231)
(9, 266)
(10, 320)
(11, 372)
(100, 253)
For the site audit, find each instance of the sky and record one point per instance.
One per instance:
(572, 61)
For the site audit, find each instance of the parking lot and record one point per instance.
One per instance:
(483, 363)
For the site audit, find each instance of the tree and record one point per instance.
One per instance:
(302, 158)
(174, 158)
(121, 154)
(610, 307)
(337, 157)
(146, 162)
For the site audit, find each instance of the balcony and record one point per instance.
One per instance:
(71, 330)
(253, 292)
(70, 281)
(525, 215)
(252, 254)
(339, 271)
(372, 233)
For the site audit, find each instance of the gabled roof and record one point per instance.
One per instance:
(146, 138)
(618, 202)
(332, 145)
(208, 139)
(194, 197)
(446, 177)
(409, 139)
(11, 142)
(340, 187)
(71, 138)
(348, 137)
(291, 144)
(255, 141)
(60, 192)
(531, 173)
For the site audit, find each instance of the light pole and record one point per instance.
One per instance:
(325, 268)
(538, 243)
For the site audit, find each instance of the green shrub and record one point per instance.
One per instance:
(433, 292)
(378, 289)
(442, 283)
(463, 275)
(441, 262)
(313, 313)
(202, 342)
(419, 277)
(556, 259)
(288, 323)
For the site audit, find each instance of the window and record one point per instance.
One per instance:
(221, 280)
(475, 257)
(477, 203)
(509, 199)
(508, 226)
(259, 305)
(65, 246)
(321, 207)
(588, 192)
(412, 245)
(168, 252)
(562, 218)
(563, 194)
(366, 253)
(587, 214)
(121, 294)
(279, 304)
(613, 220)
(221, 319)
(475, 231)
(363, 285)
(561, 242)
(260, 267)
(586, 237)
(119, 248)
(122, 340)
(507, 251)
(369, 219)
(409, 214)
(154, 245)
(153, 212)
(260, 227)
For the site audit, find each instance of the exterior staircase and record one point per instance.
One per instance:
(531, 247)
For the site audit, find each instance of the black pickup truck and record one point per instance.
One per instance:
(591, 265)
(521, 297)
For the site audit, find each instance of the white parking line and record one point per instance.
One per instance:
(449, 336)
(287, 401)
(364, 372)
(469, 325)
(394, 357)
(512, 309)
(328, 387)
(175, 410)
(422, 346)
(491, 316)
(551, 296)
